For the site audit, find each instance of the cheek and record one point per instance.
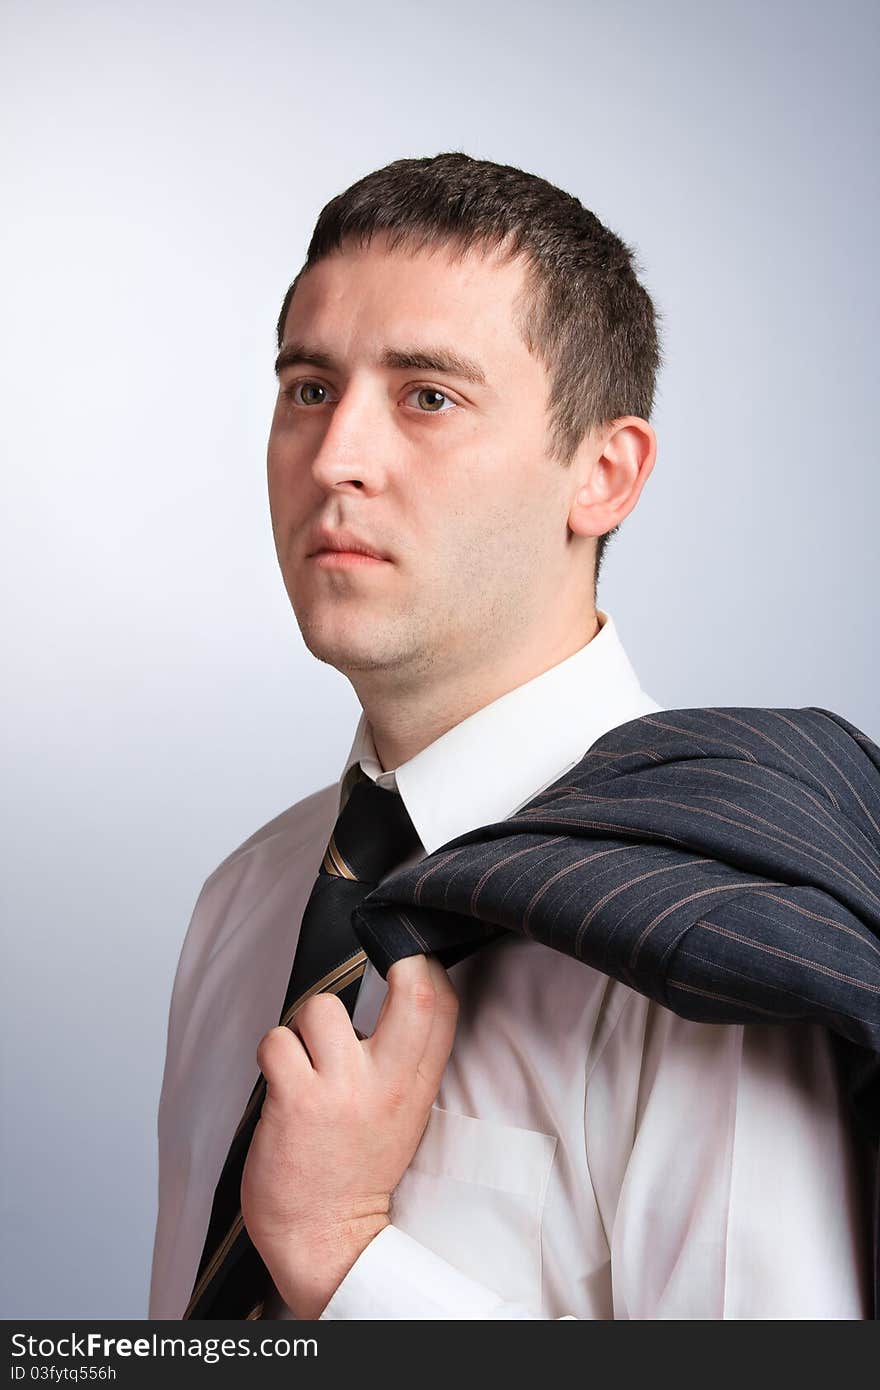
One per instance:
(287, 484)
(484, 544)
(502, 546)
(278, 505)
(275, 471)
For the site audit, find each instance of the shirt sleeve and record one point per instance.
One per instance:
(732, 1186)
(396, 1278)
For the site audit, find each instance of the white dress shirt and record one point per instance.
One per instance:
(589, 1154)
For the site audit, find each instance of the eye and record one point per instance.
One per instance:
(428, 400)
(307, 387)
(431, 400)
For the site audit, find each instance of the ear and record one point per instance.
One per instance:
(610, 469)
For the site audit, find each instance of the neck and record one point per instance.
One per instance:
(403, 721)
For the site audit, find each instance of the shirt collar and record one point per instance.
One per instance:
(497, 759)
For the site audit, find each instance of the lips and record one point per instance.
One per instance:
(342, 542)
(350, 549)
(337, 559)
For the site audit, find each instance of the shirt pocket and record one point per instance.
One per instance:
(474, 1193)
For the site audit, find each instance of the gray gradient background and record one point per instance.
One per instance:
(166, 165)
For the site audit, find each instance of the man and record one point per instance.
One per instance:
(523, 1137)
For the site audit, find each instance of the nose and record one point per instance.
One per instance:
(356, 449)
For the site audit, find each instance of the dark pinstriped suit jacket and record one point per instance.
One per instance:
(725, 862)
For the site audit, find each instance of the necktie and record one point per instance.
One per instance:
(372, 834)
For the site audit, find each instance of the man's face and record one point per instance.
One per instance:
(445, 476)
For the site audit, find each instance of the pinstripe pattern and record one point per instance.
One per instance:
(724, 862)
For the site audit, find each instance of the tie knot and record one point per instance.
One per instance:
(372, 834)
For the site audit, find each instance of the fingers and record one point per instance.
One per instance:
(416, 1026)
(413, 1036)
(319, 1038)
(326, 1031)
(283, 1061)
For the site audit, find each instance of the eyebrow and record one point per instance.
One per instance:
(446, 361)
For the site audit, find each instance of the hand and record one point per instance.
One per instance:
(340, 1123)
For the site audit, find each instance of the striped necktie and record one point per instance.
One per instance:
(372, 835)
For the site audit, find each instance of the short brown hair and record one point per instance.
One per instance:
(582, 313)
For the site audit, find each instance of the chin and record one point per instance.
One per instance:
(346, 650)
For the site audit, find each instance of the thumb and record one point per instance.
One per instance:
(408, 1012)
(387, 997)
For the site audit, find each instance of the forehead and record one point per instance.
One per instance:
(364, 298)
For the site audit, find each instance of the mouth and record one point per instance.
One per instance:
(343, 559)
